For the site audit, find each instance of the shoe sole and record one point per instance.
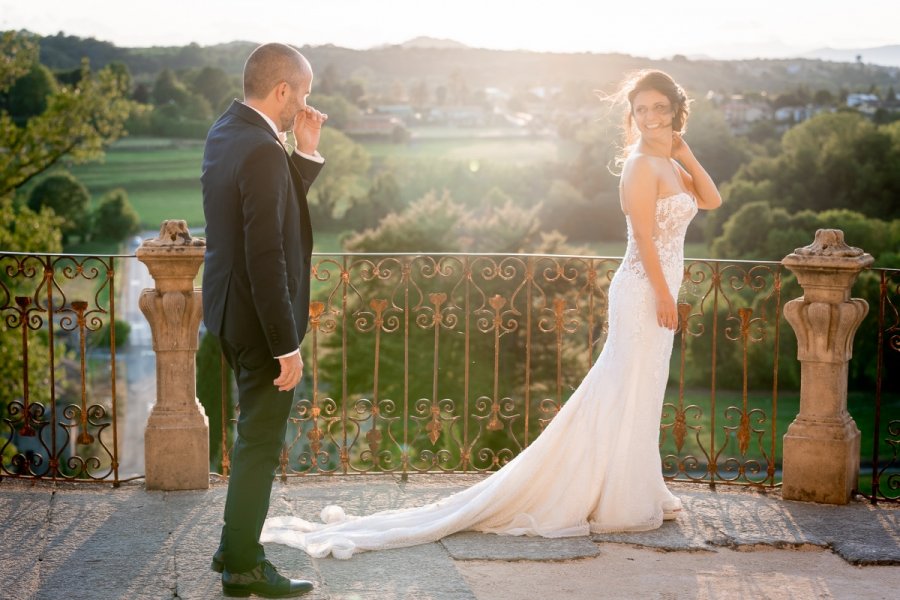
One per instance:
(241, 593)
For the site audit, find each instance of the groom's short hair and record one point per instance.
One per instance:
(270, 64)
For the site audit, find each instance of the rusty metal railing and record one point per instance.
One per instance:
(455, 363)
(447, 363)
(885, 451)
(57, 404)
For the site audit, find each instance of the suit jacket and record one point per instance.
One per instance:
(258, 234)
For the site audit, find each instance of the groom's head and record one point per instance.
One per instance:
(277, 79)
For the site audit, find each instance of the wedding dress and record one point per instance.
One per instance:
(595, 468)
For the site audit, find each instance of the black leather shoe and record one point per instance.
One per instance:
(263, 580)
(218, 562)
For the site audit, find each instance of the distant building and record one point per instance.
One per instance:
(376, 126)
(460, 116)
(402, 111)
(740, 113)
(860, 100)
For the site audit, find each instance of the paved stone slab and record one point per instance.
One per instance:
(193, 521)
(423, 572)
(108, 544)
(740, 519)
(860, 533)
(23, 523)
(360, 495)
(470, 545)
(92, 541)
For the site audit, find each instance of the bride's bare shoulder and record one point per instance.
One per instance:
(639, 166)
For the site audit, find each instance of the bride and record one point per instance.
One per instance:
(596, 467)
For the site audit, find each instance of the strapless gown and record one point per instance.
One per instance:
(595, 468)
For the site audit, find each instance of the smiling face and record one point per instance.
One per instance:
(652, 113)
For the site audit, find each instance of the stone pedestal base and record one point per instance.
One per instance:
(821, 461)
(176, 450)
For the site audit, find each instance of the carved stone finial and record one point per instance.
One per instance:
(174, 232)
(829, 242)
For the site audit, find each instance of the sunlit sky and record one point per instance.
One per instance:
(651, 28)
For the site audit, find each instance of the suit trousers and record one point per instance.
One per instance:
(261, 427)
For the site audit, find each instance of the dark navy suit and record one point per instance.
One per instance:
(255, 300)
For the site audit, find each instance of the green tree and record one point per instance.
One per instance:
(710, 138)
(23, 230)
(340, 111)
(114, 218)
(759, 231)
(342, 182)
(383, 198)
(121, 331)
(214, 84)
(78, 121)
(66, 197)
(29, 95)
(168, 89)
(832, 161)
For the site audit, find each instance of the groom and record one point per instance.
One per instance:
(256, 289)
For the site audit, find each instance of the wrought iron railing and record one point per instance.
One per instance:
(884, 472)
(58, 401)
(454, 363)
(447, 363)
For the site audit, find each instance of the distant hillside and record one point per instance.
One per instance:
(881, 55)
(429, 42)
(478, 68)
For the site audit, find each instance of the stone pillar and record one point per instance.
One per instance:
(821, 446)
(176, 442)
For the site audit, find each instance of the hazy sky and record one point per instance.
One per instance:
(652, 28)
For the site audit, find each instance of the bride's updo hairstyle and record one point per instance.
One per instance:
(648, 80)
(643, 81)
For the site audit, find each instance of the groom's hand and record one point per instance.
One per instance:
(291, 372)
(307, 129)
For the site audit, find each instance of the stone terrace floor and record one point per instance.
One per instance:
(94, 542)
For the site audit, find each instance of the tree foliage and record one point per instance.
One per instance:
(78, 121)
(115, 219)
(832, 161)
(757, 230)
(27, 97)
(67, 197)
(342, 181)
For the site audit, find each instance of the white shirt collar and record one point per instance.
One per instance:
(281, 136)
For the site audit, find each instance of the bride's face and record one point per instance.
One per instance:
(652, 113)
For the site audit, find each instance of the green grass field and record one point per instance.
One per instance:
(162, 178)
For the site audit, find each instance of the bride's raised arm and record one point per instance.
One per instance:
(694, 176)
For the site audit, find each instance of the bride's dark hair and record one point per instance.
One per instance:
(642, 81)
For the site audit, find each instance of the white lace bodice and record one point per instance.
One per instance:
(673, 215)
